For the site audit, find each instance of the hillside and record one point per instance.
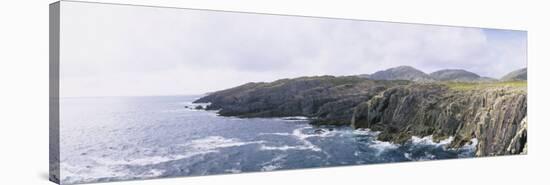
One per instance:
(458, 75)
(520, 74)
(401, 73)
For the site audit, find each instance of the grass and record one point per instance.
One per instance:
(470, 86)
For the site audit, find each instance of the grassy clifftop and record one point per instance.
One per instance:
(520, 85)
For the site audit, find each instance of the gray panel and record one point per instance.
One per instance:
(54, 91)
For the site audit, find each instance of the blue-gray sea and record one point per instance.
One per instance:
(123, 138)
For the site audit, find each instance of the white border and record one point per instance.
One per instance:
(24, 92)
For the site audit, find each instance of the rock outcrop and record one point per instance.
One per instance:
(329, 99)
(491, 115)
(495, 115)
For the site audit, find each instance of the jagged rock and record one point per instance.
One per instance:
(518, 144)
(492, 115)
(328, 98)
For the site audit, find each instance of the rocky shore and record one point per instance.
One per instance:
(493, 113)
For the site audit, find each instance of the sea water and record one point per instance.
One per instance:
(124, 138)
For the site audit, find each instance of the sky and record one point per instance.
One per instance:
(114, 50)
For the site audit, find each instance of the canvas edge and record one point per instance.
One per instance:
(54, 52)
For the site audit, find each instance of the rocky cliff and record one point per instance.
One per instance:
(328, 99)
(495, 114)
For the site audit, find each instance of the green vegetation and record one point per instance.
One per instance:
(471, 86)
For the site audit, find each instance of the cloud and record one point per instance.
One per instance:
(128, 50)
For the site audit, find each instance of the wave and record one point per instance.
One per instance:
(275, 163)
(365, 131)
(73, 174)
(109, 168)
(303, 136)
(428, 140)
(299, 135)
(84, 174)
(192, 148)
(294, 118)
(426, 157)
(216, 142)
(287, 147)
(151, 160)
(382, 146)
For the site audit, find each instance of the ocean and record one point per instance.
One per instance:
(126, 138)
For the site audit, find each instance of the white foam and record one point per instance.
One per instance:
(190, 106)
(428, 140)
(294, 118)
(153, 173)
(427, 156)
(71, 174)
(274, 164)
(382, 146)
(286, 147)
(276, 133)
(365, 131)
(270, 167)
(408, 155)
(298, 134)
(472, 146)
(216, 142)
(105, 167)
(150, 160)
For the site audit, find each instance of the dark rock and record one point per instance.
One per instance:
(319, 131)
(327, 98)
(491, 115)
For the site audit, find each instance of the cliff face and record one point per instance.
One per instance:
(491, 115)
(494, 115)
(327, 98)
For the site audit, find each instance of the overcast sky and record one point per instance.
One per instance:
(111, 50)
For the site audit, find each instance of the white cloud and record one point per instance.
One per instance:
(127, 50)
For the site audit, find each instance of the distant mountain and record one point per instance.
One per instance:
(363, 75)
(458, 75)
(520, 74)
(400, 73)
(454, 74)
